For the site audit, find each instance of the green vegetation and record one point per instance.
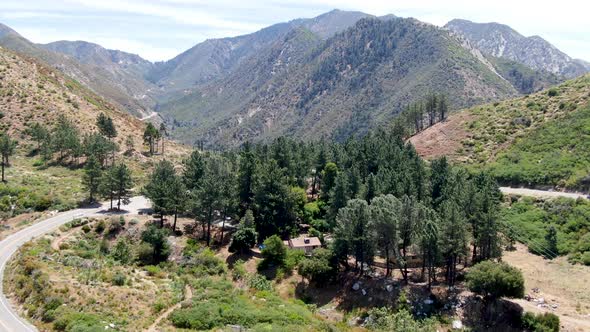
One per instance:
(545, 322)
(551, 227)
(495, 280)
(555, 154)
(219, 303)
(381, 319)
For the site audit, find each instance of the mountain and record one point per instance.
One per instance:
(536, 140)
(335, 75)
(304, 86)
(501, 41)
(115, 75)
(214, 58)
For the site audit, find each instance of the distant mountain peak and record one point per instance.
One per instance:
(500, 40)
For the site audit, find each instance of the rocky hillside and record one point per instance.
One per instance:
(115, 75)
(540, 139)
(501, 41)
(304, 86)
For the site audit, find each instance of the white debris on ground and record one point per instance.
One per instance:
(540, 300)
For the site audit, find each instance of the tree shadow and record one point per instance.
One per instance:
(236, 256)
(498, 315)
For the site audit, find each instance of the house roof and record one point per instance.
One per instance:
(302, 242)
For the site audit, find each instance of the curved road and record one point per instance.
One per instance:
(9, 319)
(541, 193)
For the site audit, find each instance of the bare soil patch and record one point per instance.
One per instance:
(559, 283)
(442, 139)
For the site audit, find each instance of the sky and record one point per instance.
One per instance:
(161, 29)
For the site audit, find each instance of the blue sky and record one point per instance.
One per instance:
(160, 29)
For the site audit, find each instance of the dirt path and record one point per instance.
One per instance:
(188, 294)
(56, 243)
(559, 283)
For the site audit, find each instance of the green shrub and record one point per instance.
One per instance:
(100, 227)
(382, 319)
(238, 271)
(546, 322)
(495, 280)
(259, 282)
(79, 322)
(153, 270)
(121, 252)
(86, 229)
(119, 279)
(206, 263)
(552, 92)
(274, 250)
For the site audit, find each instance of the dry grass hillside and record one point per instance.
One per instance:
(31, 92)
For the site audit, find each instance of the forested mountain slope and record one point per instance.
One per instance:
(305, 87)
(535, 140)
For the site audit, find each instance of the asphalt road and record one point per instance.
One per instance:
(540, 193)
(9, 319)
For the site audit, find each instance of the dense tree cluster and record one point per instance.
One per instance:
(375, 194)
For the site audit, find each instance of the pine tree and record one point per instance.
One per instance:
(274, 207)
(159, 189)
(65, 138)
(7, 149)
(385, 218)
(194, 167)
(91, 177)
(453, 238)
(442, 107)
(339, 196)
(123, 184)
(408, 223)
(150, 137)
(38, 133)
(211, 193)
(353, 229)
(246, 176)
(106, 127)
(163, 133)
(329, 175)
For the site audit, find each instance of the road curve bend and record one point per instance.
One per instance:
(10, 321)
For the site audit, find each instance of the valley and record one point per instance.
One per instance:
(345, 172)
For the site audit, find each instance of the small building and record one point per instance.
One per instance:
(307, 244)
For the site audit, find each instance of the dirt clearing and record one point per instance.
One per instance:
(559, 284)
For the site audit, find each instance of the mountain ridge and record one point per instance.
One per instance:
(500, 40)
